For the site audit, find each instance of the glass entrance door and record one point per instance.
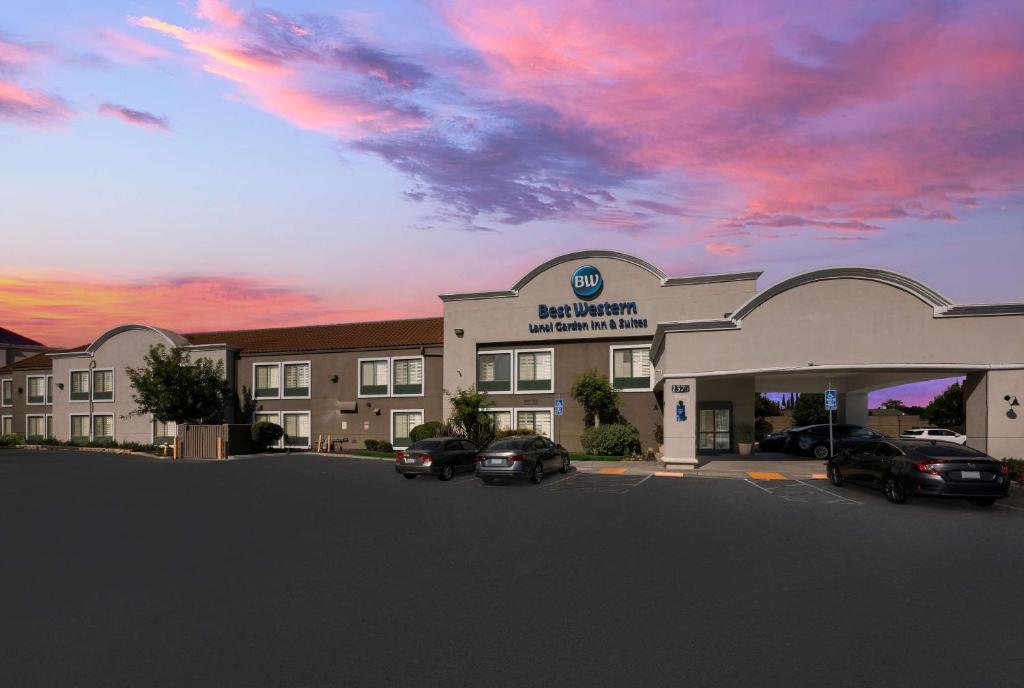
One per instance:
(714, 428)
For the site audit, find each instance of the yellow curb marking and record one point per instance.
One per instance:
(611, 471)
(766, 476)
(818, 476)
(668, 474)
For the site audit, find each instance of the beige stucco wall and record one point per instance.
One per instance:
(123, 350)
(846, 322)
(506, 320)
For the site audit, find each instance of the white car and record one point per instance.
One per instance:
(939, 434)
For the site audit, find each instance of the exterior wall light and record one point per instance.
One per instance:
(334, 378)
(459, 332)
(1010, 399)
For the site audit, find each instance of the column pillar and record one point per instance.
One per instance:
(1005, 437)
(680, 423)
(976, 410)
(853, 408)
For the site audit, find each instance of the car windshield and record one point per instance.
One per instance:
(512, 443)
(949, 450)
(425, 445)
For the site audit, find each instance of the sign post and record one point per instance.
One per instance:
(559, 407)
(831, 404)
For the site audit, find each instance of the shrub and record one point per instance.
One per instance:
(469, 417)
(427, 430)
(659, 433)
(1016, 467)
(513, 432)
(11, 440)
(744, 433)
(265, 433)
(611, 440)
(598, 398)
(378, 445)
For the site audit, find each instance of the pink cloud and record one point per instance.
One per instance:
(129, 48)
(721, 248)
(219, 12)
(24, 106)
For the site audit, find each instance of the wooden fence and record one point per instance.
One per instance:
(213, 441)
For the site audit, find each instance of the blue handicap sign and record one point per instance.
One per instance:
(831, 400)
(559, 407)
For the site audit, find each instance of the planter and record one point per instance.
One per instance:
(745, 449)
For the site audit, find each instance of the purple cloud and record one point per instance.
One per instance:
(139, 118)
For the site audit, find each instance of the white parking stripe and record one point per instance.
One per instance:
(829, 492)
(748, 480)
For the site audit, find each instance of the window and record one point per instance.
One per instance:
(494, 371)
(164, 432)
(80, 429)
(266, 418)
(36, 389)
(35, 427)
(49, 426)
(408, 377)
(533, 371)
(79, 385)
(402, 423)
(296, 429)
(715, 429)
(7, 394)
(373, 377)
(266, 381)
(502, 418)
(296, 379)
(103, 385)
(537, 422)
(49, 390)
(631, 368)
(102, 428)
(6, 425)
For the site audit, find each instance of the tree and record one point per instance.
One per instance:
(469, 417)
(172, 387)
(763, 408)
(809, 409)
(947, 409)
(598, 398)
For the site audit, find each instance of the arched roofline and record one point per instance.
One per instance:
(614, 255)
(172, 338)
(898, 280)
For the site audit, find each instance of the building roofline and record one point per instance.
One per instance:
(666, 281)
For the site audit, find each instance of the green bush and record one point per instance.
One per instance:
(425, 431)
(611, 440)
(513, 432)
(744, 433)
(265, 433)
(1016, 467)
(659, 433)
(11, 440)
(378, 445)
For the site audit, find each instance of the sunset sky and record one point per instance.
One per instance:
(206, 165)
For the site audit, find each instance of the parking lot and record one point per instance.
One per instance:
(306, 570)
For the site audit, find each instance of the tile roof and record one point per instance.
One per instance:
(15, 339)
(361, 335)
(36, 362)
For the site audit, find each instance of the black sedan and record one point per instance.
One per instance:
(922, 467)
(813, 439)
(440, 456)
(521, 456)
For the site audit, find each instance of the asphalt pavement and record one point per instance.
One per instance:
(295, 570)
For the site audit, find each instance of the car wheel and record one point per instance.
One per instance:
(894, 491)
(565, 465)
(446, 472)
(538, 473)
(409, 476)
(835, 475)
(820, 451)
(488, 480)
(982, 501)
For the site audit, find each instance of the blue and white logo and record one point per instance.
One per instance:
(587, 282)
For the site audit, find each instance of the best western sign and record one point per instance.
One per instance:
(581, 316)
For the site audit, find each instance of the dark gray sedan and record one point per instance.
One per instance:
(521, 456)
(440, 456)
(921, 467)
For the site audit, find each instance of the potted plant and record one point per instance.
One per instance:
(745, 438)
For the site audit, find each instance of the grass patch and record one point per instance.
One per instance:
(588, 457)
(372, 454)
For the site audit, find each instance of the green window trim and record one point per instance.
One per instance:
(296, 391)
(495, 386)
(632, 383)
(535, 385)
(408, 389)
(373, 390)
(79, 396)
(102, 396)
(262, 392)
(296, 441)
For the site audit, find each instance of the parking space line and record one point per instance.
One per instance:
(648, 477)
(829, 492)
(763, 489)
(611, 471)
(765, 476)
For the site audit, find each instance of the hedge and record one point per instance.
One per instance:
(614, 439)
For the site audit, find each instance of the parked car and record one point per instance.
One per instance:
(521, 456)
(774, 441)
(440, 456)
(922, 467)
(939, 434)
(813, 439)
